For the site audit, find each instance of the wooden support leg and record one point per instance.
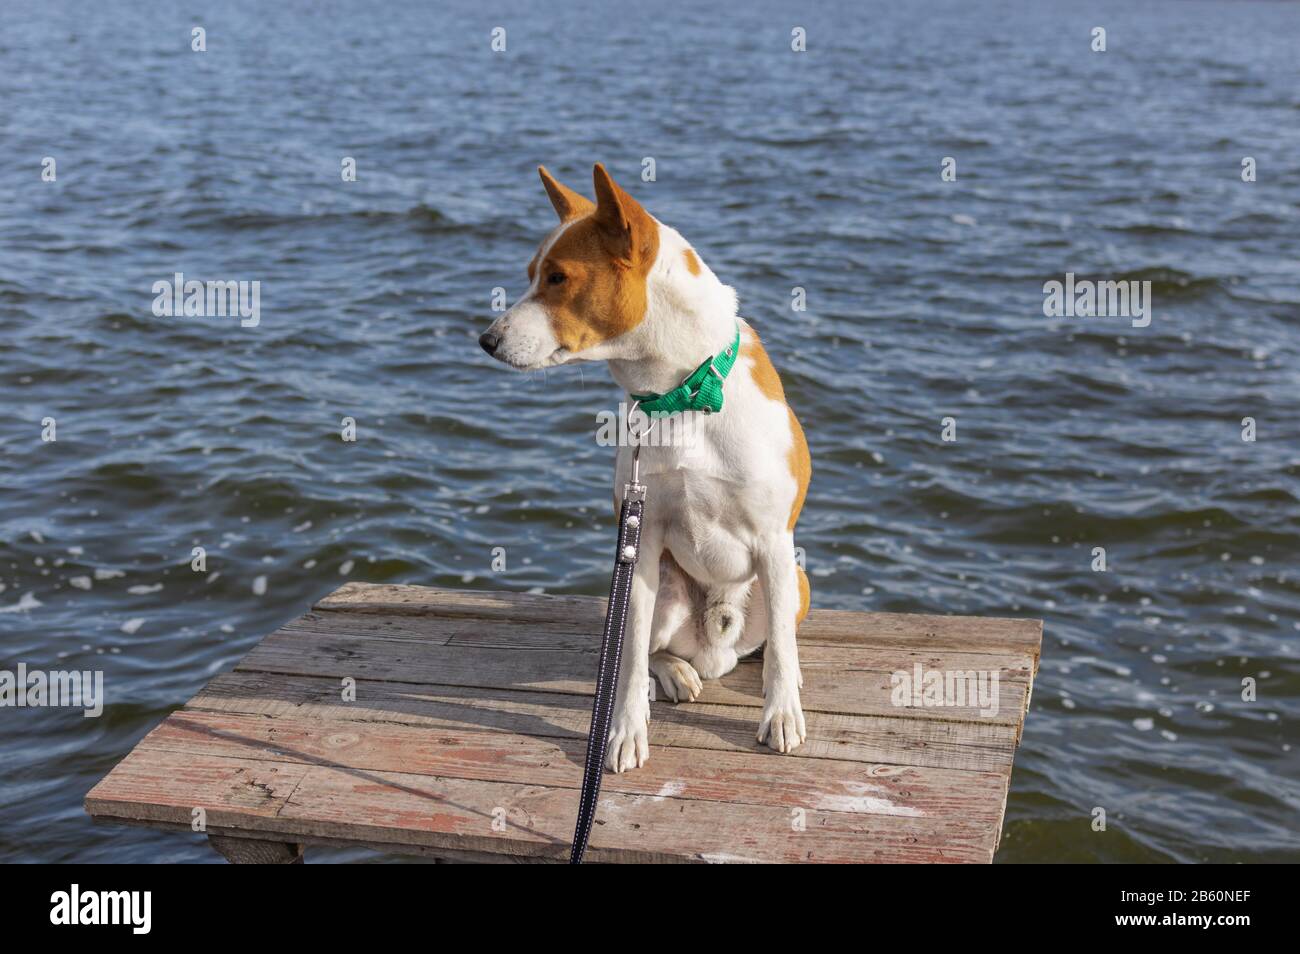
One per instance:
(254, 851)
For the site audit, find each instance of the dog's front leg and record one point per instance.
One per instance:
(629, 735)
(782, 725)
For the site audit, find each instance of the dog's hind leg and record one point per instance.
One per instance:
(675, 632)
(756, 623)
(680, 681)
(723, 622)
(755, 629)
(714, 662)
(676, 619)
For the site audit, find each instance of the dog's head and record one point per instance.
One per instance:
(587, 282)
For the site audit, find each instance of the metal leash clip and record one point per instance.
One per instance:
(636, 487)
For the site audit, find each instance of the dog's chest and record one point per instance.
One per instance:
(709, 526)
(716, 490)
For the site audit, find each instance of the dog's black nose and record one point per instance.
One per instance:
(489, 342)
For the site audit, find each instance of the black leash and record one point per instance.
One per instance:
(611, 649)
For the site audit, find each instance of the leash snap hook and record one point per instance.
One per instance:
(637, 440)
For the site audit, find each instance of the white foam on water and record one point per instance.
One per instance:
(27, 601)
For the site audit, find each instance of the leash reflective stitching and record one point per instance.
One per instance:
(611, 651)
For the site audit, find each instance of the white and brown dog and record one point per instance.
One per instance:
(717, 576)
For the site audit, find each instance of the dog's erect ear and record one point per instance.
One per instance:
(568, 204)
(627, 229)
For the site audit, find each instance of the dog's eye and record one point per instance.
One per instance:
(555, 278)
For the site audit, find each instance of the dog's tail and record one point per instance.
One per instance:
(724, 617)
(724, 612)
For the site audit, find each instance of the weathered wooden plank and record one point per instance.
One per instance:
(442, 629)
(432, 629)
(538, 821)
(565, 636)
(401, 809)
(734, 777)
(160, 788)
(478, 604)
(987, 747)
(512, 634)
(327, 654)
(830, 684)
(972, 634)
(901, 630)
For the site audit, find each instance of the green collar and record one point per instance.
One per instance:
(702, 391)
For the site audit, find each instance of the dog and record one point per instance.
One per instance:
(717, 576)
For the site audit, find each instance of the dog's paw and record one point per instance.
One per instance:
(629, 738)
(680, 681)
(782, 727)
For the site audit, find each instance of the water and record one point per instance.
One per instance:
(818, 170)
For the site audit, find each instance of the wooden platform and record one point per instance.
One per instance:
(466, 739)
